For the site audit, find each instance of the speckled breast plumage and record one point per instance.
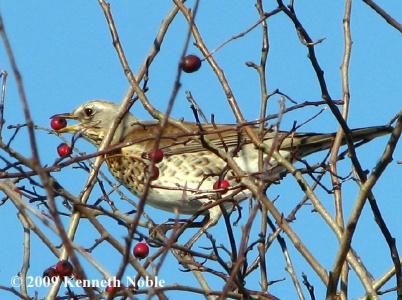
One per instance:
(185, 181)
(128, 171)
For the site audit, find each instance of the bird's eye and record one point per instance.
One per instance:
(88, 112)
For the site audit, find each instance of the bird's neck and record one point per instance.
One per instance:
(124, 128)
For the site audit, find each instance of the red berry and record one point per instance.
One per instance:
(63, 150)
(141, 250)
(153, 174)
(112, 289)
(64, 268)
(191, 63)
(157, 155)
(58, 123)
(221, 184)
(49, 274)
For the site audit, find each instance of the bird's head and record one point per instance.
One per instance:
(95, 119)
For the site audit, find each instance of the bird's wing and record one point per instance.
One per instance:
(301, 144)
(175, 140)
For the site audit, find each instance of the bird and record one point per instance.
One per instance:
(183, 180)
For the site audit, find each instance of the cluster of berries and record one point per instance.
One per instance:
(64, 268)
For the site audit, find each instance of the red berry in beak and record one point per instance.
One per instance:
(58, 123)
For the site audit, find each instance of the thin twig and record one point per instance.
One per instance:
(384, 14)
(4, 74)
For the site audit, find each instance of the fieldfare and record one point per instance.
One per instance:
(182, 180)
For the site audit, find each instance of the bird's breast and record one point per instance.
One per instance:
(185, 181)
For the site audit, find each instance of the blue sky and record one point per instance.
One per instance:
(65, 55)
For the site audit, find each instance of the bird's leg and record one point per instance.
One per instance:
(178, 226)
(182, 223)
(210, 220)
(214, 213)
(189, 223)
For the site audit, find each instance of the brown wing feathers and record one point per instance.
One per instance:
(178, 141)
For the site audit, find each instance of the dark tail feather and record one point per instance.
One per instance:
(308, 143)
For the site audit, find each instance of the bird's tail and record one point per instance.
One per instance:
(308, 143)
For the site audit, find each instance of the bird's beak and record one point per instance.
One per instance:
(71, 128)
